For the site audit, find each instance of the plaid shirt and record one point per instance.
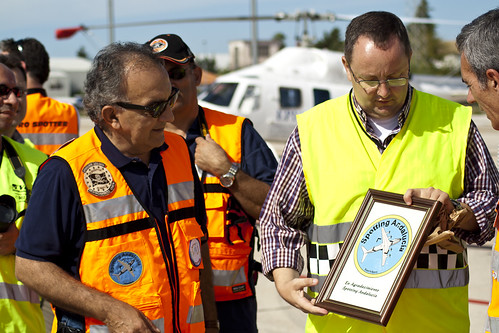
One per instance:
(288, 212)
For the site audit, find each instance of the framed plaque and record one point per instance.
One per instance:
(377, 256)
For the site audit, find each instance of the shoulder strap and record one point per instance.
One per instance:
(17, 164)
(202, 122)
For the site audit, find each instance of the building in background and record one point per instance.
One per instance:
(240, 52)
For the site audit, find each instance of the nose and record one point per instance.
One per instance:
(167, 115)
(470, 99)
(383, 89)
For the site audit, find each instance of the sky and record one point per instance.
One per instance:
(40, 19)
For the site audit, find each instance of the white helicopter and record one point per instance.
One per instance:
(292, 81)
(272, 93)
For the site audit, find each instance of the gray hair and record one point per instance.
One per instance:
(478, 42)
(107, 77)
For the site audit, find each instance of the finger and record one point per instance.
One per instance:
(301, 283)
(408, 196)
(308, 307)
(200, 139)
(209, 139)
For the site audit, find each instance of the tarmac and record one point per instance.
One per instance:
(276, 316)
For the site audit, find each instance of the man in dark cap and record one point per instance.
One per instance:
(236, 168)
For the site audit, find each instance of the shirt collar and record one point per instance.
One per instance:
(36, 91)
(402, 115)
(117, 158)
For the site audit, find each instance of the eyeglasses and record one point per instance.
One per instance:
(177, 73)
(371, 86)
(155, 110)
(5, 91)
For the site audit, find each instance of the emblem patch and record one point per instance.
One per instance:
(98, 179)
(195, 252)
(125, 268)
(382, 246)
(158, 45)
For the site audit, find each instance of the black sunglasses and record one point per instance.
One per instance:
(5, 91)
(155, 110)
(177, 73)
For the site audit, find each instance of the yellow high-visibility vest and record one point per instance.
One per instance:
(19, 306)
(341, 163)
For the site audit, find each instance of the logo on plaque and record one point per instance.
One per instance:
(382, 246)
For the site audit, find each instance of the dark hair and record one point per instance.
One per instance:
(107, 77)
(10, 46)
(12, 62)
(478, 42)
(378, 26)
(36, 58)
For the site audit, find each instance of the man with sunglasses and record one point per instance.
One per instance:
(19, 306)
(15, 63)
(113, 236)
(236, 168)
(388, 136)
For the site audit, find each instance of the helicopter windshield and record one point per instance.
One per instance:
(220, 93)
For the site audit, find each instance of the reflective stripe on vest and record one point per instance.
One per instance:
(226, 278)
(48, 123)
(195, 315)
(49, 138)
(123, 255)
(18, 292)
(229, 261)
(102, 210)
(322, 258)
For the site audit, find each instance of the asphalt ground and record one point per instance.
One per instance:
(277, 316)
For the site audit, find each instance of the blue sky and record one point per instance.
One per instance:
(40, 19)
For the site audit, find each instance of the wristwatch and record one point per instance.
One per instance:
(457, 205)
(228, 179)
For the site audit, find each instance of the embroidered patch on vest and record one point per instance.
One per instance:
(125, 268)
(98, 179)
(195, 252)
(382, 246)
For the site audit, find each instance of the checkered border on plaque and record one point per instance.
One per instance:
(434, 257)
(322, 257)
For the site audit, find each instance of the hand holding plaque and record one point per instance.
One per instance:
(377, 256)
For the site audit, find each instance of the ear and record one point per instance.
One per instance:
(493, 78)
(198, 74)
(347, 69)
(110, 115)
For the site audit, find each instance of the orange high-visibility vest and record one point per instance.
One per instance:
(124, 254)
(48, 123)
(229, 229)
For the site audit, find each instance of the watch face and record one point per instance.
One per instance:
(226, 181)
